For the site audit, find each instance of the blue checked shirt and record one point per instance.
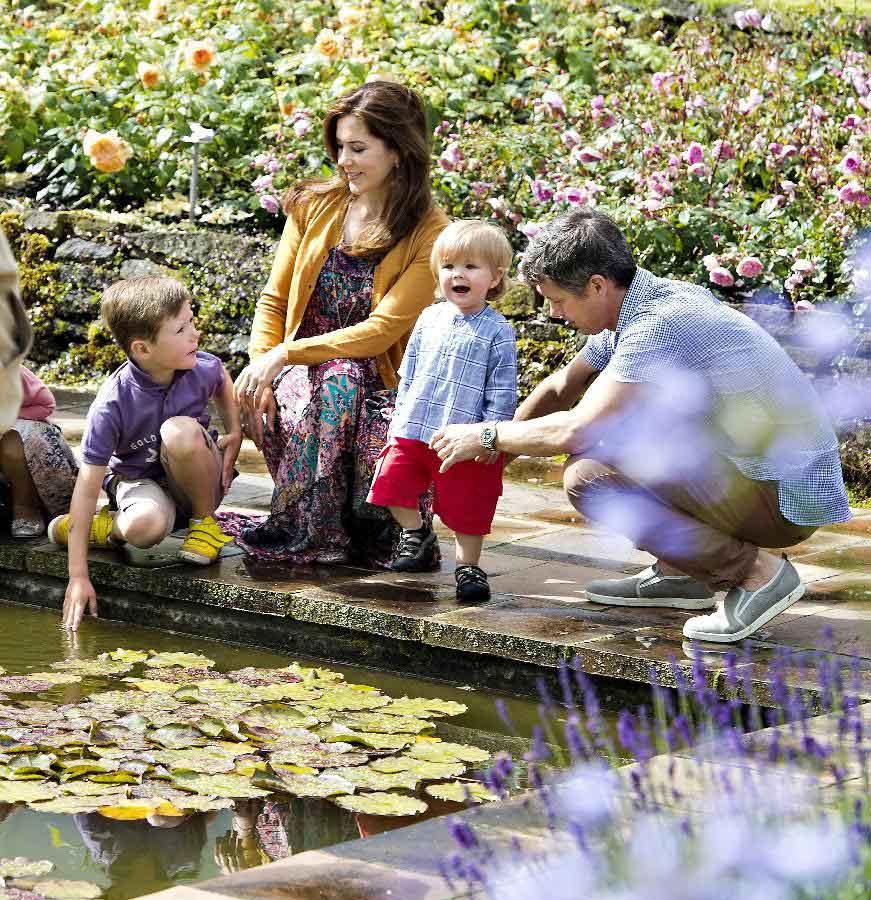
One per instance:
(457, 369)
(766, 417)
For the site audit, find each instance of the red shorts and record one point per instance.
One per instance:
(464, 497)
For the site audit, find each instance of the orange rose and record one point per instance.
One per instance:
(149, 74)
(108, 152)
(200, 55)
(328, 44)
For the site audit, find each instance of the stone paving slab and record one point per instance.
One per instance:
(541, 555)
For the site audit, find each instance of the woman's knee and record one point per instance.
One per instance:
(580, 474)
(143, 525)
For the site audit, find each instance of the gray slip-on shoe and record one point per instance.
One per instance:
(652, 588)
(742, 612)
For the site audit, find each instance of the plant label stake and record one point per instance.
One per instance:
(198, 135)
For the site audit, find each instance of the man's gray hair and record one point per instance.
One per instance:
(575, 246)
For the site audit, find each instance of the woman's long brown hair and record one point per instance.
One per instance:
(396, 115)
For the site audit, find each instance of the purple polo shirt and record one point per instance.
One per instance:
(123, 426)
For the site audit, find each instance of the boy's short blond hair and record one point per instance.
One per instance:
(479, 239)
(135, 308)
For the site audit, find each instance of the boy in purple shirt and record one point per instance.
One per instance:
(147, 426)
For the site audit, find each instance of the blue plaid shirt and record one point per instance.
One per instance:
(457, 369)
(766, 417)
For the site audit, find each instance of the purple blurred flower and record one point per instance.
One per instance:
(302, 125)
(693, 154)
(722, 150)
(700, 170)
(586, 155)
(576, 196)
(498, 205)
(751, 102)
(270, 204)
(529, 229)
(451, 156)
(851, 163)
(570, 137)
(542, 191)
(853, 192)
(554, 102)
(263, 183)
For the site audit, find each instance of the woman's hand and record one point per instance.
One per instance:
(253, 392)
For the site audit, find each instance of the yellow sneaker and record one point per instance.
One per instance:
(204, 542)
(99, 536)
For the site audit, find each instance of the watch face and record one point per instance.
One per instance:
(488, 435)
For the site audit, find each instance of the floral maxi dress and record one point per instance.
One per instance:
(331, 425)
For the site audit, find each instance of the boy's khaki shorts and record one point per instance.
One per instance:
(164, 493)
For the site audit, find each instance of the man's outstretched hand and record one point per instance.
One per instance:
(80, 597)
(455, 443)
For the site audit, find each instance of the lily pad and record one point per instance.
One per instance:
(383, 723)
(28, 765)
(236, 786)
(314, 675)
(133, 808)
(324, 785)
(182, 675)
(26, 791)
(368, 779)
(152, 686)
(424, 707)
(23, 684)
(62, 889)
(177, 737)
(277, 716)
(321, 756)
(94, 667)
(281, 740)
(382, 804)
(259, 677)
(56, 677)
(93, 789)
(206, 760)
(199, 803)
(422, 768)
(68, 804)
(130, 701)
(74, 768)
(346, 697)
(333, 732)
(21, 867)
(461, 792)
(445, 751)
(187, 660)
(128, 656)
(57, 738)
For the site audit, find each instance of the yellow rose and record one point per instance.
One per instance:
(529, 45)
(200, 55)
(328, 43)
(108, 152)
(307, 26)
(149, 74)
(350, 16)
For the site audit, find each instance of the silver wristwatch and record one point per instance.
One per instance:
(488, 435)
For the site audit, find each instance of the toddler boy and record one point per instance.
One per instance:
(147, 426)
(460, 367)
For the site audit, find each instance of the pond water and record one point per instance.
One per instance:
(132, 858)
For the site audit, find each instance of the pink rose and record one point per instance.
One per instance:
(263, 183)
(586, 155)
(803, 267)
(542, 191)
(722, 277)
(693, 154)
(723, 150)
(710, 262)
(554, 102)
(270, 204)
(302, 125)
(750, 267)
(576, 196)
(450, 157)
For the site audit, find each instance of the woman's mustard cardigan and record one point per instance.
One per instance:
(402, 287)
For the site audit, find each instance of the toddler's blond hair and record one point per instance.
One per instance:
(479, 239)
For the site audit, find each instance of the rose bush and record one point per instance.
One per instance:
(537, 108)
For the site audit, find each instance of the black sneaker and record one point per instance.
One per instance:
(417, 551)
(472, 585)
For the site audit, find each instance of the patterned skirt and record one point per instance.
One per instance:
(51, 464)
